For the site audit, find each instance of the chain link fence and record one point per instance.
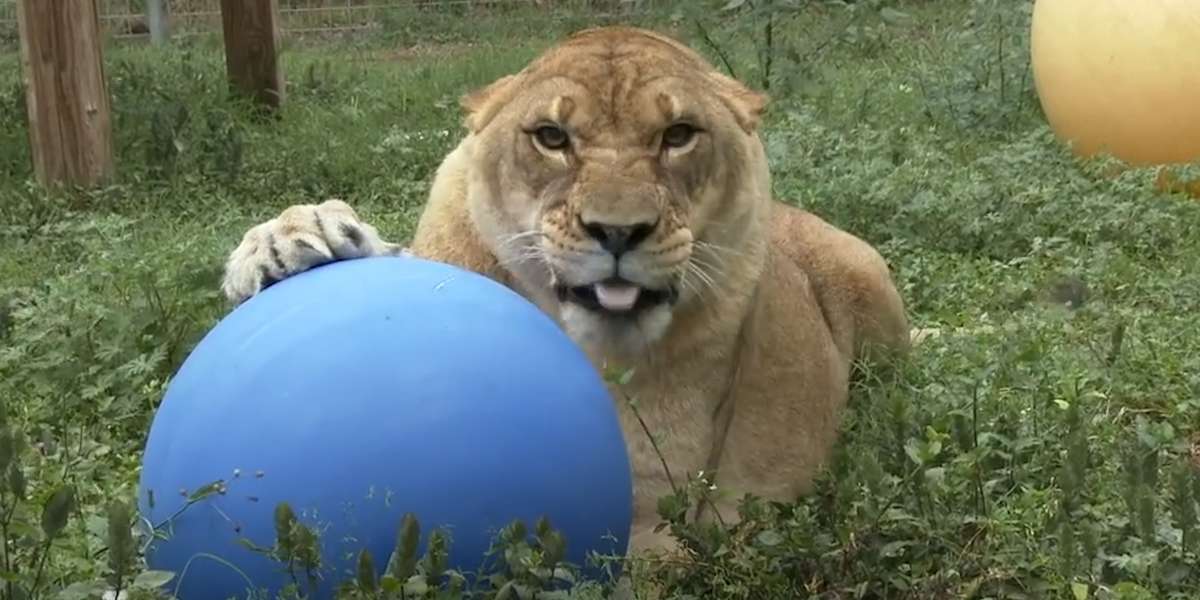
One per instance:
(126, 18)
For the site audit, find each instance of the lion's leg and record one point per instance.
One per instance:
(786, 402)
(852, 282)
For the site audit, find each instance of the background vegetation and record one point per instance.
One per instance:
(1042, 447)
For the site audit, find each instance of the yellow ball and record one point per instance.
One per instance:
(1121, 77)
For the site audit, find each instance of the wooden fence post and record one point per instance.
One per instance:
(70, 122)
(158, 19)
(251, 30)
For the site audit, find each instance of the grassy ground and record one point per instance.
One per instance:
(1043, 455)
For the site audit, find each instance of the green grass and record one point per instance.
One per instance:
(1041, 453)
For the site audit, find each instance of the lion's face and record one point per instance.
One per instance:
(613, 170)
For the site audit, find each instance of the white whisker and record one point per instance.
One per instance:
(716, 249)
(710, 271)
(695, 271)
(524, 255)
(511, 240)
(695, 290)
(692, 268)
(713, 271)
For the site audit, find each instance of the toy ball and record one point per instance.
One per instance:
(364, 390)
(1121, 77)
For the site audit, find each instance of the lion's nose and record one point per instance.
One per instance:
(618, 239)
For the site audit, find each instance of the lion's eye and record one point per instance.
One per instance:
(678, 135)
(551, 137)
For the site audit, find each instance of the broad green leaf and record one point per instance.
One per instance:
(892, 16)
(82, 591)
(913, 449)
(1079, 590)
(152, 579)
(626, 377)
(389, 584)
(507, 592)
(1128, 590)
(769, 538)
(896, 548)
(618, 376)
(935, 476)
(416, 587)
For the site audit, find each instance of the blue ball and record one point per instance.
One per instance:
(366, 389)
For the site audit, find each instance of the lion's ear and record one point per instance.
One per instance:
(482, 104)
(746, 104)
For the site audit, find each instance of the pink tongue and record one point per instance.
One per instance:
(617, 296)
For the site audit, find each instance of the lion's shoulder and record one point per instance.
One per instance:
(446, 230)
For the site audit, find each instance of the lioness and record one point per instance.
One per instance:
(619, 183)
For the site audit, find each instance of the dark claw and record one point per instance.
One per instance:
(353, 233)
(304, 244)
(265, 278)
(275, 255)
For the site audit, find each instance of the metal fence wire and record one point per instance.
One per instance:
(126, 18)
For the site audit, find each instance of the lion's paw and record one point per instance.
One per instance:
(300, 238)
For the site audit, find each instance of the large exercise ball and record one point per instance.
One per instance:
(366, 389)
(1121, 77)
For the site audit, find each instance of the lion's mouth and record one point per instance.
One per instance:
(616, 296)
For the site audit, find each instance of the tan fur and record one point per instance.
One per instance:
(821, 293)
(744, 378)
